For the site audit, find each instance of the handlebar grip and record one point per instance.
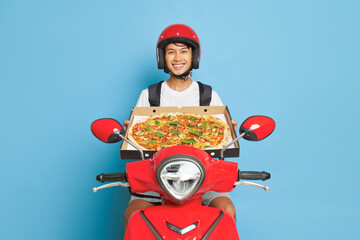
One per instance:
(252, 175)
(111, 177)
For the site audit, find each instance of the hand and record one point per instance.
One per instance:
(234, 123)
(126, 124)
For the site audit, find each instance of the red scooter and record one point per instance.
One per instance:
(181, 175)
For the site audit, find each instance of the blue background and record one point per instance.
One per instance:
(67, 63)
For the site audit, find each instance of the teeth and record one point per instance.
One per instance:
(179, 65)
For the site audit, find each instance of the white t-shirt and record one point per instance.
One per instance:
(172, 98)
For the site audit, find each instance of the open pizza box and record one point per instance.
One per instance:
(222, 112)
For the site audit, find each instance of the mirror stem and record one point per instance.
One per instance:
(227, 146)
(139, 149)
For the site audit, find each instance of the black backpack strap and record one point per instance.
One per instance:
(205, 94)
(154, 94)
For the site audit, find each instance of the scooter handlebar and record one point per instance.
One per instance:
(111, 177)
(252, 175)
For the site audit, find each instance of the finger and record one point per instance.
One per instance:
(126, 123)
(234, 123)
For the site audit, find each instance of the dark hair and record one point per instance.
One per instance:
(180, 44)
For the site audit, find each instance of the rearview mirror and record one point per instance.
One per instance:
(107, 130)
(257, 128)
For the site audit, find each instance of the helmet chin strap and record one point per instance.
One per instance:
(183, 76)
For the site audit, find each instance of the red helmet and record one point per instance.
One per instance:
(178, 33)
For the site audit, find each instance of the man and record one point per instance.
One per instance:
(178, 52)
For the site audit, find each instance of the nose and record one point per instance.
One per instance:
(177, 56)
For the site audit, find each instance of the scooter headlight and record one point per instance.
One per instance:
(180, 176)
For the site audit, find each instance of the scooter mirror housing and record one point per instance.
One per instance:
(107, 130)
(257, 128)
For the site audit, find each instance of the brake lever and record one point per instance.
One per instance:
(252, 185)
(114, 184)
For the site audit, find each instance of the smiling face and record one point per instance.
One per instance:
(178, 57)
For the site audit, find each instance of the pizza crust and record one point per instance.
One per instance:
(227, 134)
(130, 137)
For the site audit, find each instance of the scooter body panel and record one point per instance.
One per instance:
(185, 222)
(220, 175)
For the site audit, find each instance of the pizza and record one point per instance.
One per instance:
(179, 129)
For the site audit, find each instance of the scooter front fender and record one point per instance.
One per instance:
(181, 223)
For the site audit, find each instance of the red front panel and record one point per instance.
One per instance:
(140, 175)
(220, 175)
(181, 217)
